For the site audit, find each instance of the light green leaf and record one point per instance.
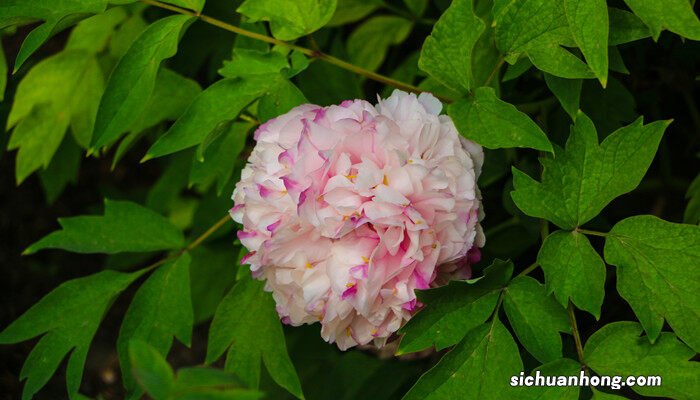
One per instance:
(598, 395)
(220, 157)
(625, 27)
(675, 15)
(67, 318)
(93, 34)
(562, 367)
(549, 56)
(56, 14)
(62, 170)
(150, 369)
(479, 367)
(657, 273)
(583, 178)
(573, 270)
(536, 318)
(447, 53)
(369, 43)
(453, 310)
(133, 79)
(247, 324)
(161, 309)
(201, 383)
(349, 11)
(220, 102)
(588, 24)
(617, 349)
(494, 124)
(567, 91)
(125, 227)
(290, 19)
(58, 92)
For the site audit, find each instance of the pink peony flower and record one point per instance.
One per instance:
(348, 209)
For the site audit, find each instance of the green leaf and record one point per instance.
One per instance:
(675, 15)
(247, 62)
(567, 91)
(125, 227)
(218, 103)
(62, 170)
(133, 79)
(562, 367)
(588, 24)
(67, 318)
(579, 181)
(453, 310)
(161, 309)
(348, 11)
(150, 369)
(200, 383)
(220, 157)
(625, 27)
(692, 210)
(290, 19)
(247, 324)
(657, 273)
(369, 43)
(280, 100)
(479, 367)
(58, 92)
(617, 349)
(494, 124)
(211, 279)
(539, 29)
(573, 270)
(56, 14)
(3, 73)
(447, 53)
(195, 5)
(598, 395)
(93, 34)
(417, 7)
(536, 318)
(515, 70)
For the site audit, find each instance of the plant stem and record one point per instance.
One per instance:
(594, 233)
(574, 331)
(306, 51)
(529, 269)
(494, 71)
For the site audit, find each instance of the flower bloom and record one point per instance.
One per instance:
(348, 209)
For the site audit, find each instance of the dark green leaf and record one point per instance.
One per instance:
(493, 123)
(692, 210)
(479, 367)
(657, 273)
(625, 27)
(3, 73)
(280, 100)
(349, 11)
(247, 324)
(573, 270)
(582, 179)
(447, 53)
(567, 91)
(62, 170)
(290, 19)
(125, 227)
(161, 309)
(562, 367)
(150, 369)
(220, 157)
(617, 349)
(536, 318)
(453, 310)
(133, 80)
(369, 43)
(588, 24)
(67, 318)
(212, 275)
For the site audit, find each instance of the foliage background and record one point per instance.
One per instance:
(659, 80)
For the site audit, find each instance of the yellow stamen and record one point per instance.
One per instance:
(373, 331)
(283, 191)
(308, 265)
(418, 222)
(410, 161)
(385, 181)
(434, 245)
(351, 176)
(365, 259)
(347, 331)
(349, 285)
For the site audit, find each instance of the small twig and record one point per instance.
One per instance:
(575, 332)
